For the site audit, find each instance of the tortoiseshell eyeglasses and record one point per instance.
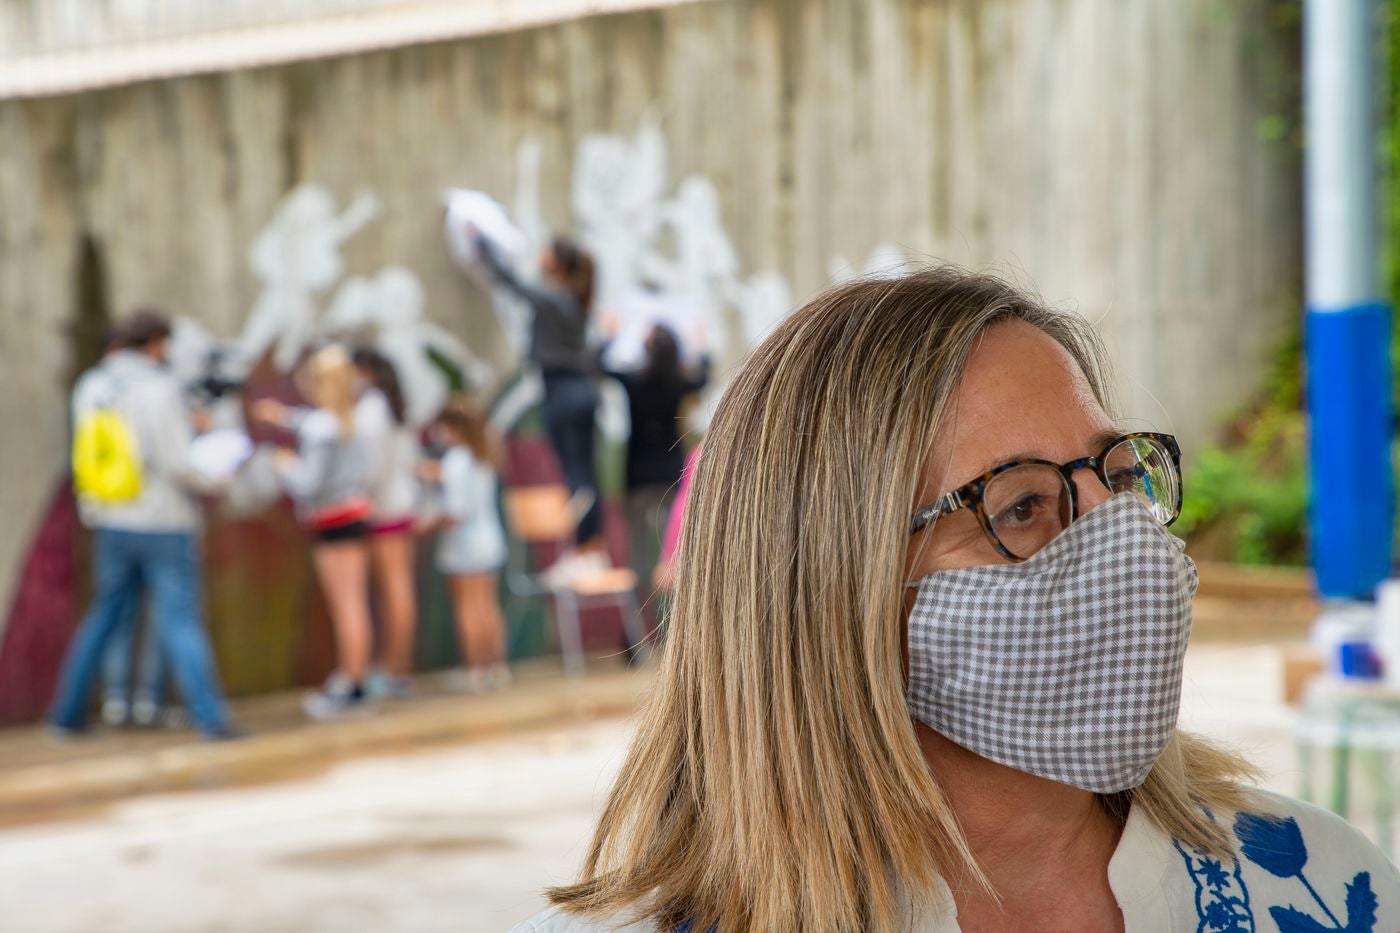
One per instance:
(1024, 504)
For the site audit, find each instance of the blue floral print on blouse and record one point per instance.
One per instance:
(1277, 846)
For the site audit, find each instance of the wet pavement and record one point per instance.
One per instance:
(454, 836)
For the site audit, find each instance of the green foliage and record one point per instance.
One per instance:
(456, 378)
(1246, 501)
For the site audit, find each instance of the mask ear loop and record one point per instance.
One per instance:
(924, 534)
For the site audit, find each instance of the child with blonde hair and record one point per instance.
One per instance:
(327, 476)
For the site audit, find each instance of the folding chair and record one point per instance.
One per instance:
(540, 515)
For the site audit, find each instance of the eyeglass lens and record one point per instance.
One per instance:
(1143, 466)
(1029, 505)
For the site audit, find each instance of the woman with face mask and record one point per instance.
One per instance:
(925, 659)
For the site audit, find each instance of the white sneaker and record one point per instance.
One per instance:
(499, 676)
(115, 712)
(381, 685)
(472, 680)
(145, 712)
(573, 566)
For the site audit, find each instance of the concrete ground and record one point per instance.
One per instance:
(460, 839)
(457, 836)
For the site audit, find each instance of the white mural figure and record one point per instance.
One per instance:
(465, 210)
(387, 311)
(296, 257)
(763, 301)
(661, 257)
(637, 312)
(884, 259)
(407, 338)
(352, 309)
(702, 278)
(616, 191)
(526, 209)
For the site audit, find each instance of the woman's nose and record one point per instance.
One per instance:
(1090, 491)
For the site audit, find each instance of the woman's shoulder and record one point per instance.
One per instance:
(555, 920)
(1290, 860)
(1276, 825)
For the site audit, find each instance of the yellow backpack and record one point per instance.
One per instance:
(106, 458)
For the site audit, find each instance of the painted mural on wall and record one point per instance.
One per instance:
(624, 211)
(663, 256)
(306, 298)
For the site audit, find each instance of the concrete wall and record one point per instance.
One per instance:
(65, 46)
(1110, 151)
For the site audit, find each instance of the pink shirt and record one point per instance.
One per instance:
(673, 524)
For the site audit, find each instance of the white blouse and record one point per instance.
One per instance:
(1299, 869)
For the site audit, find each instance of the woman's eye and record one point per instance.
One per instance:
(1023, 511)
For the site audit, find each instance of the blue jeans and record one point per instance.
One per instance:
(125, 562)
(129, 675)
(570, 406)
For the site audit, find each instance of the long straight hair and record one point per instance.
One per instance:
(663, 363)
(775, 780)
(380, 371)
(575, 270)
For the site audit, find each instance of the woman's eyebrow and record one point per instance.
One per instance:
(1007, 457)
(1102, 439)
(1097, 443)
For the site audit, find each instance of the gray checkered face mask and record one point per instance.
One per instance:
(1068, 665)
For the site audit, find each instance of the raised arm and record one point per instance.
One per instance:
(611, 372)
(496, 265)
(535, 295)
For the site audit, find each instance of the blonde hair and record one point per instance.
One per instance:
(775, 780)
(327, 379)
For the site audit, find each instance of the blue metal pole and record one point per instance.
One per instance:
(1348, 323)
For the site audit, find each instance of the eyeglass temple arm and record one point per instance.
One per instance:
(930, 513)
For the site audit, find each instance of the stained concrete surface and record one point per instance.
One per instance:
(458, 837)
